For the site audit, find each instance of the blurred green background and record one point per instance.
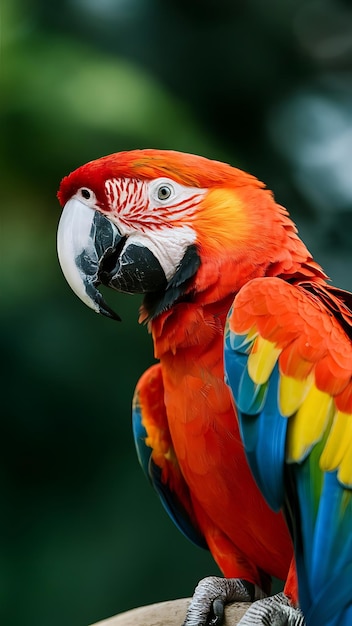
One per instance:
(266, 86)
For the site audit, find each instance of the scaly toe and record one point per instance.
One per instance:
(273, 611)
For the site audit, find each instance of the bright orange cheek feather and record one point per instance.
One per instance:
(221, 222)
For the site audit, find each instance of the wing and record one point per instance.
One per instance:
(156, 454)
(288, 362)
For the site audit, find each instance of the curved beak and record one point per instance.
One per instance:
(85, 238)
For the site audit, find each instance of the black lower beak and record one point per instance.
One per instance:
(135, 270)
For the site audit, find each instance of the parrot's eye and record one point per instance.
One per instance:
(86, 193)
(164, 192)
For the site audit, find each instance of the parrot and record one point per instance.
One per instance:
(242, 426)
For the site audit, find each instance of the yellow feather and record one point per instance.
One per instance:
(292, 393)
(262, 359)
(345, 471)
(252, 333)
(308, 425)
(337, 453)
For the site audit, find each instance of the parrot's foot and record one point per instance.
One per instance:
(273, 611)
(211, 595)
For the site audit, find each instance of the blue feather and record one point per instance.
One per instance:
(332, 605)
(324, 546)
(169, 500)
(139, 435)
(262, 427)
(251, 397)
(174, 508)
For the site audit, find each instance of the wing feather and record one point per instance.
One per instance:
(298, 372)
(295, 329)
(156, 454)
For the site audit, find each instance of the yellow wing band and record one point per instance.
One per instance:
(262, 360)
(307, 426)
(292, 393)
(337, 450)
(312, 413)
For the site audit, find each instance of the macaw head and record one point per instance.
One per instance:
(168, 225)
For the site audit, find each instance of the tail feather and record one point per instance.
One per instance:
(323, 545)
(332, 606)
(335, 546)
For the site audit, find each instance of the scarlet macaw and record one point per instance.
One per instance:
(198, 238)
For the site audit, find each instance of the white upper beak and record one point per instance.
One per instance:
(80, 234)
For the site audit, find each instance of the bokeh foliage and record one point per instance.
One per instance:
(265, 86)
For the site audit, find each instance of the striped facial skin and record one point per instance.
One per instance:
(155, 214)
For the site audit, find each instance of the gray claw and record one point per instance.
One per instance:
(218, 609)
(212, 594)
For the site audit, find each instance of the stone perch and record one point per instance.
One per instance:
(171, 613)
